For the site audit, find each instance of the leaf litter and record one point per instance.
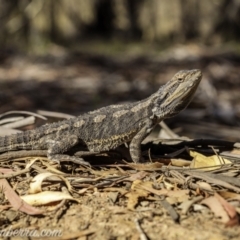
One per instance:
(198, 185)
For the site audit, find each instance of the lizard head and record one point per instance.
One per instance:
(176, 94)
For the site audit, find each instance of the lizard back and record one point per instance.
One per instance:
(105, 128)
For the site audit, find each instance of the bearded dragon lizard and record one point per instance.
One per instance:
(109, 127)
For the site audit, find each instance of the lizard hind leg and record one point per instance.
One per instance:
(57, 147)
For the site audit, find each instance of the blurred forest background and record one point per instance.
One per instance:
(76, 55)
(33, 25)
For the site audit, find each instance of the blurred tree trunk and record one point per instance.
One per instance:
(133, 8)
(190, 19)
(228, 24)
(37, 22)
(103, 24)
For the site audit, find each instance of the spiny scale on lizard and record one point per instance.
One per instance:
(111, 126)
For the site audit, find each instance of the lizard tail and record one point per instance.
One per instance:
(14, 142)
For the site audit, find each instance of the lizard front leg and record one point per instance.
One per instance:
(135, 145)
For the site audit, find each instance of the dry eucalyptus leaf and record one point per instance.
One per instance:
(46, 197)
(204, 185)
(217, 208)
(15, 201)
(145, 167)
(180, 162)
(36, 183)
(228, 207)
(137, 176)
(229, 195)
(136, 192)
(207, 163)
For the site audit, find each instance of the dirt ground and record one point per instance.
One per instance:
(116, 199)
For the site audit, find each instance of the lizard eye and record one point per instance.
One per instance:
(180, 79)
